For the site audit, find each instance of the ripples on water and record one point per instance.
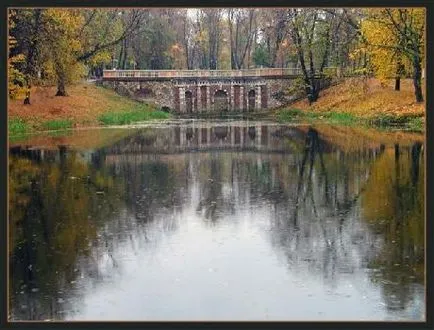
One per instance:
(219, 221)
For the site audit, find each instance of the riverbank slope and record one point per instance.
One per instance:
(86, 105)
(361, 101)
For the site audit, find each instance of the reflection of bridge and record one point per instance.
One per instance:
(188, 91)
(255, 137)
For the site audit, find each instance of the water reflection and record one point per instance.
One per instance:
(219, 221)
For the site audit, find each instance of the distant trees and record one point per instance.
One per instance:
(59, 45)
(242, 29)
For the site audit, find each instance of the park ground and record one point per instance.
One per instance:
(353, 102)
(359, 101)
(86, 105)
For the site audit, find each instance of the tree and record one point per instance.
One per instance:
(274, 30)
(213, 20)
(62, 27)
(27, 33)
(111, 30)
(241, 34)
(187, 39)
(261, 56)
(100, 27)
(395, 42)
(310, 31)
(152, 47)
(16, 78)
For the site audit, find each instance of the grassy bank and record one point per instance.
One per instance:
(410, 122)
(361, 102)
(86, 105)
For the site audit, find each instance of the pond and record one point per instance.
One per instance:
(217, 220)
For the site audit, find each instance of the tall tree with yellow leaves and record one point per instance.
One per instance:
(394, 38)
(62, 27)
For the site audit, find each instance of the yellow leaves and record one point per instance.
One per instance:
(349, 97)
(384, 60)
(385, 41)
(17, 59)
(357, 52)
(66, 21)
(16, 79)
(63, 26)
(176, 52)
(100, 58)
(176, 48)
(201, 37)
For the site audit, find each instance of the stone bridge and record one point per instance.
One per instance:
(193, 91)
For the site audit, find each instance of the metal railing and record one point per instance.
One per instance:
(267, 72)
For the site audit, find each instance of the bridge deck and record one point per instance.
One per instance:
(170, 74)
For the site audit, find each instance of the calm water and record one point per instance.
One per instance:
(217, 221)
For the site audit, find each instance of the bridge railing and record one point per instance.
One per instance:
(267, 72)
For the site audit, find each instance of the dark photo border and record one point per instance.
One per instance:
(429, 165)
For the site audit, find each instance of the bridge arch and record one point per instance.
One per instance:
(188, 101)
(221, 132)
(144, 93)
(221, 100)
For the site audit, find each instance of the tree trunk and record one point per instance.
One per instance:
(313, 91)
(121, 53)
(399, 73)
(397, 83)
(417, 77)
(124, 60)
(61, 90)
(27, 98)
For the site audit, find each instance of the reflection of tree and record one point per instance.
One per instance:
(389, 190)
(393, 205)
(312, 153)
(55, 209)
(149, 186)
(322, 230)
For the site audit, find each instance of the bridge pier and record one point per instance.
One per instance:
(258, 98)
(208, 99)
(181, 99)
(208, 136)
(242, 98)
(232, 98)
(198, 99)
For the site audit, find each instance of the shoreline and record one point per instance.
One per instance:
(413, 123)
(89, 105)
